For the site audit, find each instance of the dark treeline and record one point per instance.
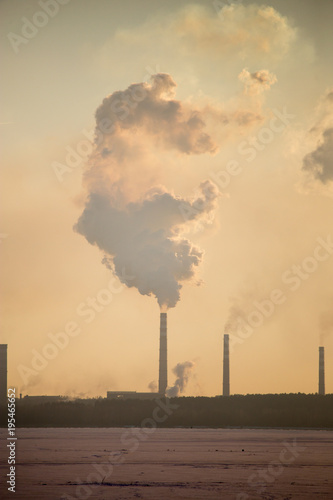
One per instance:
(270, 410)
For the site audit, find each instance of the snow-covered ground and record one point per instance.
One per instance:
(160, 464)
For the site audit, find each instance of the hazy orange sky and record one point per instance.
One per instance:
(245, 101)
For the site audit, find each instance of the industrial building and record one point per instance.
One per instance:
(132, 395)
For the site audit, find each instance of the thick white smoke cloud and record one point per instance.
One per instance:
(183, 372)
(141, 229)
(145, 239)
(152, 108)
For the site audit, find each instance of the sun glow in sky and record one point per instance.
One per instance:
(206, 188)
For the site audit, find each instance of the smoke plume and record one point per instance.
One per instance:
(217, 31)
(244, 30)
(140, 229)
(146, 239)
(326, 326)
(152, 386)
(241, 307)
(257, 82)
(151, 108)
(183, 373)
(236, 320)
(319, 162)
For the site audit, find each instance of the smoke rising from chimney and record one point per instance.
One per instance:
(321, 381)
(326, 326)
(183, 372)
(138, 228)
(152, 386)
(236, 319)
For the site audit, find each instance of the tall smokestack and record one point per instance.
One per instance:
(321, 388)
(163, 367)
(226, 372)
(3, 374)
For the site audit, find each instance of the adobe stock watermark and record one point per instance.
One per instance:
(250, 147)
(265, 477)
(88, 310)
(131, 439)
(31, 27)
(292, 278)
(92, 138)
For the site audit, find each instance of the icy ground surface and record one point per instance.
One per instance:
(201, 464)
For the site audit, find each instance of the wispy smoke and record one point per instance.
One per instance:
(183, 372)
(218, 30)
(236, 319)
(257, 82)
(72, 394)
(319, 162)
(152, 386)
(141, 229)
(240, 308)
(326, 326)
(31, 383)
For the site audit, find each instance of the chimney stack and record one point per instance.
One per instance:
(163, 367)
(226, 371)
(3, 374)
(321, 388)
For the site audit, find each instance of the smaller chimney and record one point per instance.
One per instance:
(226, 372)
(321, 388)
(163, 365)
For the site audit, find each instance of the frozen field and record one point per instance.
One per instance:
(237, 464)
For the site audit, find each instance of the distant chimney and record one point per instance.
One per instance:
(3, 374)
(226, 371)
(321, 388)
(163, 367)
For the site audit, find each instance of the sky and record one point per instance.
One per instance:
(174, 156)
